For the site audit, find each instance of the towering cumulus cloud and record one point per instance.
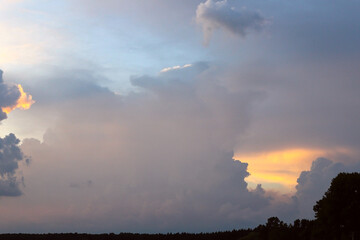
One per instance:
(159, 159)
(11, 97)
(212, 15)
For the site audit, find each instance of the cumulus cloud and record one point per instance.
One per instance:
(9, 94)
(161, 157)
(10, 155)
(11, 97)
(313, 184)
(213, 15)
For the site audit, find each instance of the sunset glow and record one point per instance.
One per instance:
(278, 167)
(24, 102)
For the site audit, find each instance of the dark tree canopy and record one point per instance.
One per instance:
(339, 210)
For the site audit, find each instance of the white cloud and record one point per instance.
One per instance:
(175, 68)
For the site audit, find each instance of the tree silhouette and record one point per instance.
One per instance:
(338, 212)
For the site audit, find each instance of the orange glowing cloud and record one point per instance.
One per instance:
(24, 102)
(278, 169)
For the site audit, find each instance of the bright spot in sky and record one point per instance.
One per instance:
(175, 68)
(279, 169)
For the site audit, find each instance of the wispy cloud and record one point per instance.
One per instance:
(175, 68)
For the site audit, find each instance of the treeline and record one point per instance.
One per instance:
(228, 235)
(304, 229)
(274, 229)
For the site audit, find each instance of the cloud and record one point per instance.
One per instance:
(175, 68)
(10, 155)
(11, 97)
(213, 15)
(9, 94)
(161, 158)
(314, 183)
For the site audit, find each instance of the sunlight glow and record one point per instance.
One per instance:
(281, 167)
(24, 102)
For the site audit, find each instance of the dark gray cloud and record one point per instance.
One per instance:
(307, 105)
(319, 33)
(308, 70)
(213, 15)
(9, 94)
(10, 155)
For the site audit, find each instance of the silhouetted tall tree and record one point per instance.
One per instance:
(338, 212)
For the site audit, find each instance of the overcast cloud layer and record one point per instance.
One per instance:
(142, 122)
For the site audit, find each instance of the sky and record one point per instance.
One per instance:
(171, 116)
